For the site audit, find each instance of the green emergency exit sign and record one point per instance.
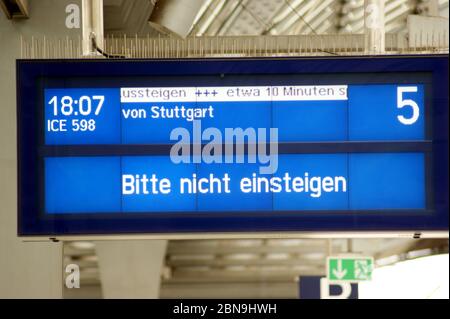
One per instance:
(349, 269)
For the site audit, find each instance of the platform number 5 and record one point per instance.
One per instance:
(401, 103)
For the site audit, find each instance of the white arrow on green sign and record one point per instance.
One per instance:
(349, 269)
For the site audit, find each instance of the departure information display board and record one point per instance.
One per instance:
(204, 146)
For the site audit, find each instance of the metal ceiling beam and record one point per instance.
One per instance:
(314, 18)
(231, 18)
(249, 275)
(189, 249)
(297, 15)
(202, 15)
(221, 262)
(219, 17)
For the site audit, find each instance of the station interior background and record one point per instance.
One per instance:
(204, 268)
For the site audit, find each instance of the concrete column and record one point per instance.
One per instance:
(374, 26)
(131, 269)
(27, 270)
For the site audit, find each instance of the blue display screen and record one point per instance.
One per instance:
(188, 115)
(234, 145)
(300, 113)
(307, 113)
(302, 182)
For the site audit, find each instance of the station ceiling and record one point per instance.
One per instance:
(270, 17)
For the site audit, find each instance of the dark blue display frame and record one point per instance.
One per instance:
(32, 221)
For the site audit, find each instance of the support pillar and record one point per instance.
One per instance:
(27, 269)
(131, 269)
(374, 31)
(92, 17)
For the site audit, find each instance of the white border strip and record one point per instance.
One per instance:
(233, 93)
(248, 235)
